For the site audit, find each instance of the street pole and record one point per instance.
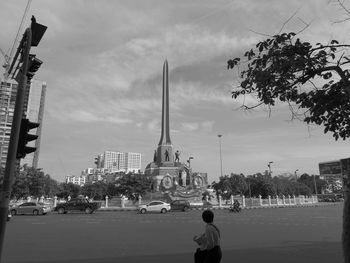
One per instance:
(220, 154)
(16, 123)
(269, 165)
(315, 185)
(296, 180)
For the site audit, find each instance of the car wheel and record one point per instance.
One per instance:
(142, 211)
(35, 212)
(185, 209)
(163, 211)
(13, 212)
(88, 210)
(61, 210)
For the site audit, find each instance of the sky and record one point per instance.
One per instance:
(102, 62)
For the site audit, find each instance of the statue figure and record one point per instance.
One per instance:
(177, 156)
(166, 155)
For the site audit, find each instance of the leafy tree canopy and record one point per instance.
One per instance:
(311, 78)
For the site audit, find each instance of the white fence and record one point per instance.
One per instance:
(270, 201)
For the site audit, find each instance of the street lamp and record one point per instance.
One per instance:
(296, 179)
(269, 165)
(220, 153)
(189, 161)
(315, 184)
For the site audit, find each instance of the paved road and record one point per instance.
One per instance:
(309, 234)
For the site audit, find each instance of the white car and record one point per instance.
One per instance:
(155, 206)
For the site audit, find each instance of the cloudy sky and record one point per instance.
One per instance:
(103, 63)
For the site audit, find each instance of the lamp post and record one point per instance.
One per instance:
(220, 154)
(315, 184)
(296, 180)
(269, 165)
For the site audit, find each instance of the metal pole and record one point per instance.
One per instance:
(269, 165)
(296, 181)
(220, 154)
(315, 185)
(16, 123)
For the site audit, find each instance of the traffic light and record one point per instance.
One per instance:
(33, 66)
(38, 30)
(25, 137)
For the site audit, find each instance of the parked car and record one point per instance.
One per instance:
(9, 215)
(77, 205)
(180, 205)
(46, 207)
(155, 206)
(28, 208)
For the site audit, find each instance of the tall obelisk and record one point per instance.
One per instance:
(165, 148)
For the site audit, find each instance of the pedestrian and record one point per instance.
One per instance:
(209, 242)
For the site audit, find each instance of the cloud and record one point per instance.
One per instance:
(190, 126)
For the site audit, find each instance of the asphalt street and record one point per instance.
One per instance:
(308, 234)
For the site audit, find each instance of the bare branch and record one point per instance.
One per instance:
(258, 33)
(304, 28)
(286, 22)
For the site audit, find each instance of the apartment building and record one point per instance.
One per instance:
(78, 180)
(120, 161)
(33, 109)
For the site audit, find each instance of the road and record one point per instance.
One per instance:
(309, 234)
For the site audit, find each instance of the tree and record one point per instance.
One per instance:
(96, 191)
(313, 79)
(280, 69)
(309, 181)
(260, 184)
(69, 189)
(133, 185)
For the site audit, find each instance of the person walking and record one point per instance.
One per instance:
(209, 250)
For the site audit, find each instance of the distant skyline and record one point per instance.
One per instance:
(102, 62)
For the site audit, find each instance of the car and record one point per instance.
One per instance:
(9, 215)
(77, 205)
(155, 206)
(46, 207)
(28, 208)
(180, 205)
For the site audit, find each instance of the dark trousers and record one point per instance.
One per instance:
(213, 255)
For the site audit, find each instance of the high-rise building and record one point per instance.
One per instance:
(35, 113)
(8, 93)
(120, 162)
(33, 109)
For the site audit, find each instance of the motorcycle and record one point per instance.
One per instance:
(236, 207)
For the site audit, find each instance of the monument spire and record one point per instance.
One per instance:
(165, 135)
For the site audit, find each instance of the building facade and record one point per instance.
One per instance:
(8, 93)
(120, 162)
(33, 109)
(78, 180)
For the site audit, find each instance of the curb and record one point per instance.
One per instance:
(119, 209)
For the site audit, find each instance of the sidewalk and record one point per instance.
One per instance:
(320, 252)
(134, 208)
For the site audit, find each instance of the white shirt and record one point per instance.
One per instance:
(212, 236)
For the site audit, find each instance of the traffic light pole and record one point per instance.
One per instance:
(11, 161)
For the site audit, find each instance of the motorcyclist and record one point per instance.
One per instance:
(236, 206)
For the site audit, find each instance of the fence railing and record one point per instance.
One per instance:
(245, 202)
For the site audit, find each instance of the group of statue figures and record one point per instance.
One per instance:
(167, 159)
